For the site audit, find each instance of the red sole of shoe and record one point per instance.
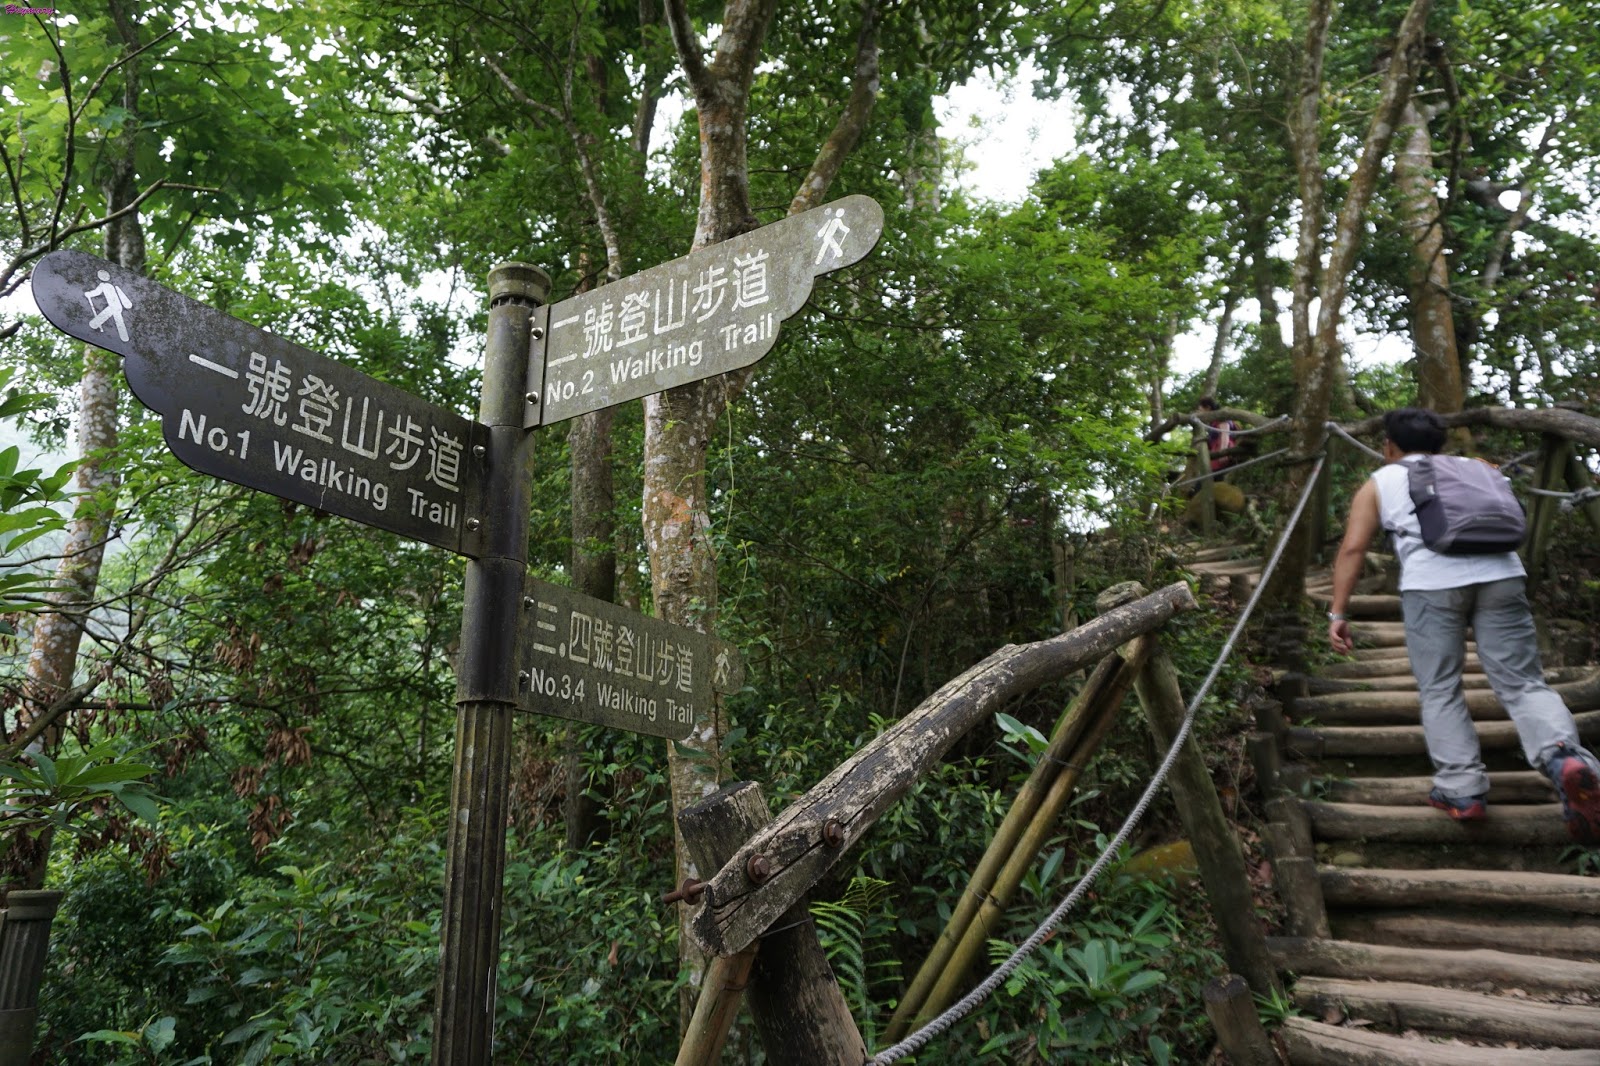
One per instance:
(1475, 813)
(1582, 807)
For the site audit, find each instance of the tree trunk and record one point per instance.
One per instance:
(1317, 357)
(678, 424)
(58, 631)
(1433, 331)
(594, 573)
(1219, 347)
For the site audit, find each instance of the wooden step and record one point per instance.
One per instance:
(1560, 936)
(1506, 786)
(1378, 634)
(1510, 826)
(1397, 653)
(1317, 685)
(1214, 554)
(1225, 567)
(1312, 1043)
(1393, 708)
(1308, 957)
(1393, 662)
(1405, 681)
(1307, 742)
(1522, 892)
(1404, 1005)
(1379, 608)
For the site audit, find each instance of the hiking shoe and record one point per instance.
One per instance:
(1461, 808)
(1580, 794)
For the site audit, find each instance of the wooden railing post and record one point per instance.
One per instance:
(1554, 452)
(1232, 1011)
(1216, 848)
(799, 1012)
(1579, 480)
(1205, 498)
(1319, 512)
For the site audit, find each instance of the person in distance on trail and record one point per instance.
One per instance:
(1440, 595)
(1219, 433)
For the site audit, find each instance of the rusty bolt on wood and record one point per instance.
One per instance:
(687, 892)
(757, 868)
(833, 833)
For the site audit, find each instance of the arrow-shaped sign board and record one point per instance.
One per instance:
(593, 661)
(244, 405)
(707, 313)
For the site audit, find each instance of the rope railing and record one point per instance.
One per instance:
(1231, 469)
(1569, 500)
(1340, 430)
(960, 1009)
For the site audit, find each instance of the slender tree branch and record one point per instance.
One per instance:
(687, 43)
(514, 89)
(852, 121)
(128, 58)
(13, 179)
(69, 136)
(68, 701)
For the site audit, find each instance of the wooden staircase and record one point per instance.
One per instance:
(1412, 939)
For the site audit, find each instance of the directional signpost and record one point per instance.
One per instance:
(249, 407)
(593, 661)
(238, 403)
(705, 314)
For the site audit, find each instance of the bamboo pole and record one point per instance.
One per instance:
(716, 1008)
(984, 924)
(1062, 740)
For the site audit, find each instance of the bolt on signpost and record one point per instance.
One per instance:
(243, 405)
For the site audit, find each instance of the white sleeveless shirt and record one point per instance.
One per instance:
(1421, 568)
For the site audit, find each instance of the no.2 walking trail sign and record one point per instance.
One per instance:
(244, 405)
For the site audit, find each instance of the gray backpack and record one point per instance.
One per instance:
(1464, 506)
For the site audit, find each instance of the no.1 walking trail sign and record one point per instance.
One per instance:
(244, 405)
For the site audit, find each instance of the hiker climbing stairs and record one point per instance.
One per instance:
(1412, 938)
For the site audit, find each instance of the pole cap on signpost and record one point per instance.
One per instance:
(521, 281)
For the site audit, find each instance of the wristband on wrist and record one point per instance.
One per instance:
(1334, 616)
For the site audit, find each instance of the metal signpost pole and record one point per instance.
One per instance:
(486, 695)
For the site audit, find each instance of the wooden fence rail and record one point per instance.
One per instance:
(781, 862)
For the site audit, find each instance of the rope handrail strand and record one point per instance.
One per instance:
(1276, 423)
(1229, 470)
(1569, 500)
(1337, 428)
(1263, 428)
(938, 1026)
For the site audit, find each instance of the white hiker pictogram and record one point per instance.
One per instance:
(116, 301)
(832, 235)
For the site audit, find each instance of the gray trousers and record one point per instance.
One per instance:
(1436, 638)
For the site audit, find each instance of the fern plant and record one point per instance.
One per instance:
(853, 929)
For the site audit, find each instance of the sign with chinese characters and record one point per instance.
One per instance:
(241, 404)
(592, 661)
(707, 313)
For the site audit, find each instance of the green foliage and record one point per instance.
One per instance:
(855, 930)
(27, 505)
(1116, 983)
(58, 795)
